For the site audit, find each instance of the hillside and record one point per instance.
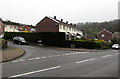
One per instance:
(92, 28)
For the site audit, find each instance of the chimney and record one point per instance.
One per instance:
(61, 20)
(66, 22)
(54, 17)
(75, 25)
(70, 23)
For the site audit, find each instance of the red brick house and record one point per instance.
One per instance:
(105, 35)
(1, 27)
(49, 24)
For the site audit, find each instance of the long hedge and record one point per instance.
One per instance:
(84, 44)
(48, 38)
(31, 37)
(54, 39)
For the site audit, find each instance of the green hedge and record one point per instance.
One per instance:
(48, 38)
(30, 37)
(84, 44)
(53, 38)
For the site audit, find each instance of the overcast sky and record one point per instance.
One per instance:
(32, 11)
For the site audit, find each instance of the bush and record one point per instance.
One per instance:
(84, 44)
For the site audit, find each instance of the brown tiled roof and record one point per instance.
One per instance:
(58, 21)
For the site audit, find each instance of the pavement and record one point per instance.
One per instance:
(10, 53)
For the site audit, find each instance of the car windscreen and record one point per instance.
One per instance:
(22, 39)
(116, 45)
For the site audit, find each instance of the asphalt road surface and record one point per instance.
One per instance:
(32, 51)
(59, 63)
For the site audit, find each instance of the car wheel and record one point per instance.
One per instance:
(13, 42)
(19, 43)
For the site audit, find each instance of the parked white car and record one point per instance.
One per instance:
(116, 46)
(1, 36)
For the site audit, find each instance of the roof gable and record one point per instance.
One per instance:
(58, 21)
(55, 20)
(105, 30)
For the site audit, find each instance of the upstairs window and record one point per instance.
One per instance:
(11, 26)
(102, 35)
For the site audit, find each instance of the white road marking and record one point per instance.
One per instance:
(21, 60)
(92, 59)
(86, 60)
(82, 61)
(43, 57)
(79, 52)
(106, 56)
(58, 55)
(15, 61)
(74, 53)
(31, 59)
(33, 72)
(50, 56)
(37, 58)
(67, 54)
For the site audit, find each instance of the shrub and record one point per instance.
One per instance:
(84, 44)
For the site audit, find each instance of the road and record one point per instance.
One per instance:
(32, 51)
(64, 64)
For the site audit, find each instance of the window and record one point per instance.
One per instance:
(102, 35)
(16, 27)
(64, 27)
(11, 27)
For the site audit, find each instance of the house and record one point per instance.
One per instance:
(116, 36)
(17, 27)
(29, 28)
(11, 26)
(1, 27)
(49, 24)
(105, 35)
